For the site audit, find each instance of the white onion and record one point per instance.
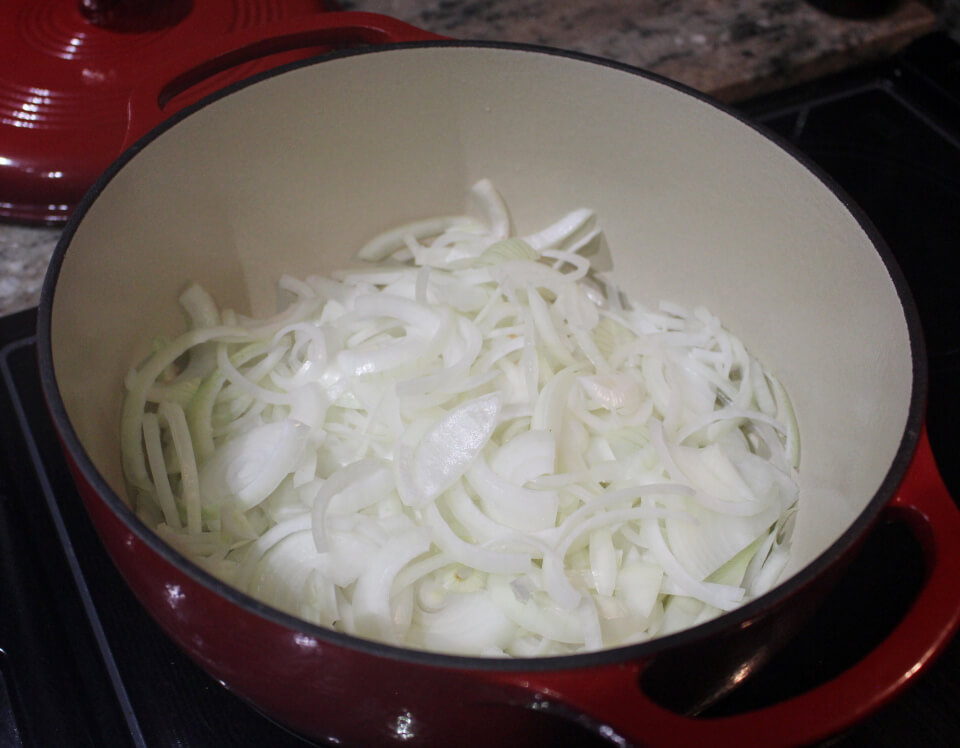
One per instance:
(485, 449)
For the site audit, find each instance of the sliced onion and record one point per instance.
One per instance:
(372, 616)
(477, 445)
(447, 449)
(248, 468)
(522, 508)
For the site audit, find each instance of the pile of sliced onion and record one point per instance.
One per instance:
(468, 443)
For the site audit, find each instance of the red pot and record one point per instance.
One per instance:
(289, 175)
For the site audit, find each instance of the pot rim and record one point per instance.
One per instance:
(740, 617)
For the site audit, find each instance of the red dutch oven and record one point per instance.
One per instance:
(290, 173)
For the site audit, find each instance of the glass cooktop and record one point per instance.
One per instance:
(81, 664)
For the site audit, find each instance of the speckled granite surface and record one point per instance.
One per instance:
(730, 50)
(24, 254)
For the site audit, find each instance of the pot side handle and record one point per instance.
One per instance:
(153, 99)
(613, 699)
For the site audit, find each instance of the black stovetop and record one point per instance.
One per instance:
(81, 664)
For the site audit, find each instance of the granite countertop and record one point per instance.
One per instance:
(728, 50)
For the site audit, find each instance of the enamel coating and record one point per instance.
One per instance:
(700, 207)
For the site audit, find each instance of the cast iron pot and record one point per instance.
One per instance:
(290, 173)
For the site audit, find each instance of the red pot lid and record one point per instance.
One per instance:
(67, 68)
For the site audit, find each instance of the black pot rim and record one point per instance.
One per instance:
(738, 618)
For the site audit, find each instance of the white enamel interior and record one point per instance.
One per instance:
(292, 174)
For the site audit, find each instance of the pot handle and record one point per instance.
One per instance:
(610, 697)
(151, 100)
